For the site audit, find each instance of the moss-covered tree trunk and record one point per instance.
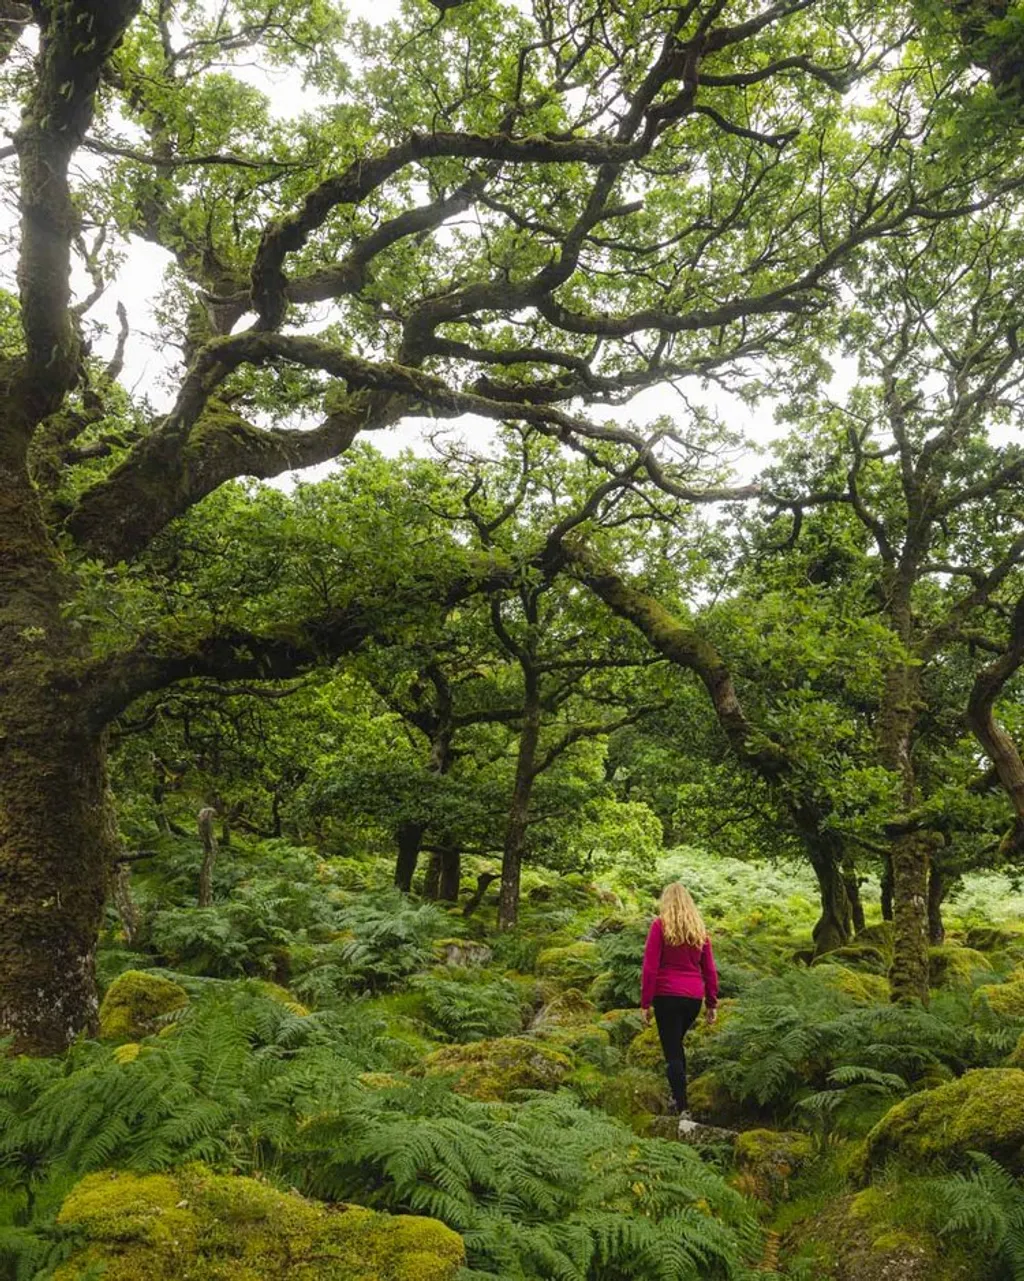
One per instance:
(835, 925)
(936, 893)
(57, 835)
(910, 848)
(519, 808)
(852, 882)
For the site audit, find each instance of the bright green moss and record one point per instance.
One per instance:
(573, 966)
(982, 1111)
(1016, 1055)
(864, 989)
(1006, 999)
(136, 1002)
(209, 1227)
(955, 967)
(496, 1069)
(857, 956)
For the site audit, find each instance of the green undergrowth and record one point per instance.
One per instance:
(316, 1031)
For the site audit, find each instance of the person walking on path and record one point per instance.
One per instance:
(678, 976)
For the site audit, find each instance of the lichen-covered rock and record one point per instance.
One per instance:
(496, 1069)
(462, 953)
(955, 967)
(209, 1227)
(573, 966)
(1006, 999)
(982, 1111)
(863, 988)
(767, 1160)
(136, 1003)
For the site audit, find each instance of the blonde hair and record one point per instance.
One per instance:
(680, 920)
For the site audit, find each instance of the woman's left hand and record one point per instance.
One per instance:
(645, 1014)
(711, 1015)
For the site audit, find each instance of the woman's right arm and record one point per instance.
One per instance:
(652, 959)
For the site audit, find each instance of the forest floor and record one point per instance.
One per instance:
(314, 1041)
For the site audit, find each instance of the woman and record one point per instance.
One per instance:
(678, 973)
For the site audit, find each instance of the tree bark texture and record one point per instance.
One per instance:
(852, 882)
(451, 875)
(208, 838)
(936, 895)
(410, 839)
(910, 850)
(835, 925)
(519, 809)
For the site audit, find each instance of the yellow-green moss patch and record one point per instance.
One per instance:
(211, 1227)
(955, 967)
(573, 966)
(495, 1069)
(135, 1004)
(982, 1111)
(1006, 999)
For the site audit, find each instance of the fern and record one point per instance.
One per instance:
(985, 1207)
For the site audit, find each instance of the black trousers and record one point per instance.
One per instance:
(675, 1015)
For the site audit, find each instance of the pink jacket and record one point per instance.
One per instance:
(671, 970)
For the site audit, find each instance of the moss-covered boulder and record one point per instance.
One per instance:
(711, 1103)
(767, 1159)
(880, 935)
(497, 1069)
(990, 938)
(567, 1008)
(645, 1050)
(955, 967)
(982, 1111)
(462, 953)
(635, 1096)
(883, 1235)
(136, 1003)
(573, 966)
(1016, 1056)
(856, 956)
(209, 1227)
(863, 988)
(622, 1025)
(1006, 999)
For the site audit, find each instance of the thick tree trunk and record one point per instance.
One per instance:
(432, 882)
(483, 882)
(852, 882)
(936, 893)
(835, 925)
(909, 974)
(451, 875)
(410, 839)
(519, 809)
(57, 845)
(910, 848)
(208, 838)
